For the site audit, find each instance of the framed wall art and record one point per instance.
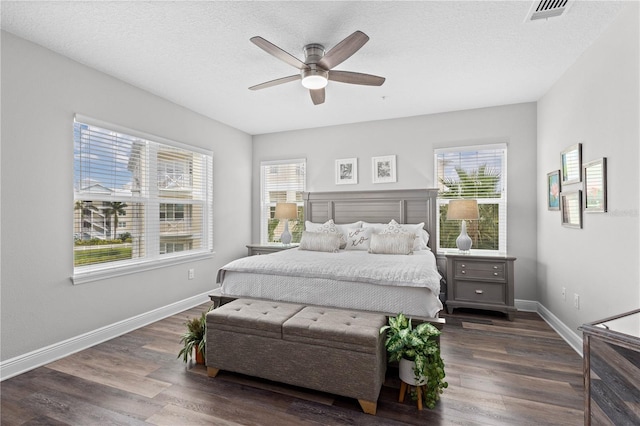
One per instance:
(571, 159)
(384, 169)
(553, 190)
(595, 186)
(571, 207)
(347, 171)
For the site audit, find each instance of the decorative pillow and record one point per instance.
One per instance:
(414, 229)
(400, 243)
(359, 238)
(320, 241)
(344, 230)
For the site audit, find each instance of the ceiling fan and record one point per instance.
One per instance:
(317, 68)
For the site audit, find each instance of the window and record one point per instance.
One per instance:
(139, 200)
(477, 172)
(281, 181)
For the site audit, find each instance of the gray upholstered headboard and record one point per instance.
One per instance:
(404, 205)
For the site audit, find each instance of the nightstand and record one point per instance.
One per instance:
(480, 282)
(256, 249)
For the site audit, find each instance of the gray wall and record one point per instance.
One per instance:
(596, 103)
(41, 91)
(412, 140)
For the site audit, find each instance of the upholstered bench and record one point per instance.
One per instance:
(326, 349)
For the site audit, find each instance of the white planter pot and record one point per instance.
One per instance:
(408, 376)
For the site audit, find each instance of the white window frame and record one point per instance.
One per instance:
(265, 205)
(501, 202)
(149, 196)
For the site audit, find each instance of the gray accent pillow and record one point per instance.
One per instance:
(320, 241)
(400, 243)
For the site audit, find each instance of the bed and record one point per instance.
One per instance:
(349, 278)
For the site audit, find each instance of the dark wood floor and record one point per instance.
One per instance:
(499, 373)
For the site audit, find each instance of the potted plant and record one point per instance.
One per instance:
(418, 345)
(194, 338)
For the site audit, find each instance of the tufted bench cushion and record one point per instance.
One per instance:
(336, 328)
(327, 349)
(256, 317)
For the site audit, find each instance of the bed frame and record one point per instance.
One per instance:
(404, 205)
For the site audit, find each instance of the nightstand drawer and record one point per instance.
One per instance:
(480, 270)
(475, 291)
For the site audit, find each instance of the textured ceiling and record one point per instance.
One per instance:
(436, 56)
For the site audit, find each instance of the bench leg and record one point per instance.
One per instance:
(368, 407)
(212, 372)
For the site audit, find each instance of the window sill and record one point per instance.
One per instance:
(103, 274)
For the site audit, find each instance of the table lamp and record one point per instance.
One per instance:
(286, 211)
(463, 210)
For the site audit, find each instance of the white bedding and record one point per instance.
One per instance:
(347, 279)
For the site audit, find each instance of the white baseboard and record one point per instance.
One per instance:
(569, 336)
(39, 357)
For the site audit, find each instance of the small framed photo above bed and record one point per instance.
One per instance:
(571, 159)
(571, 207)
(595, 186)
(347, 171)
(553, 190)
(384, 169)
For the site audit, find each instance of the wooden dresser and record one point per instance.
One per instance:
(611, 356)
(481, 282)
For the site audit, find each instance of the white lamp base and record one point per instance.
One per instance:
(286, 235)
(463, 242)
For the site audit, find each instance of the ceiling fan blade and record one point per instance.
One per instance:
(356, 78)
(343, 50)
(317, 96)
(275, 82)
(274, 50)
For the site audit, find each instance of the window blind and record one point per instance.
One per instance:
(281, 181)
(477, 172)
(136, 199)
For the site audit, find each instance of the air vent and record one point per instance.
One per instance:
(544, 9)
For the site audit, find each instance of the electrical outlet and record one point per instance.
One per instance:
(564, 294)
(192, 273)
(576, 301)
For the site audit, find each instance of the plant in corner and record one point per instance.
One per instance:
(195, 337)
(420, 345)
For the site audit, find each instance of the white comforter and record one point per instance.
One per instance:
(418, 270)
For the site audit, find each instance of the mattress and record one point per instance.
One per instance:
(348, 279)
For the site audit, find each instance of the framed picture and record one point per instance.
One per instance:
(595, 186)
(347, 171)
(553, 190)
(571, 164)
(384, 169)
(571, 206)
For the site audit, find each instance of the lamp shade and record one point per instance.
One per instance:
(286, 211)
(463, 210)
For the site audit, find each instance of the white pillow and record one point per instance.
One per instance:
(359, 238)
(414, 229)
(377, 227)
(400, 243)
(345, 227)
(320, 241)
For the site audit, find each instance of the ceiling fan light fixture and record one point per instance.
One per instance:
(314, 78)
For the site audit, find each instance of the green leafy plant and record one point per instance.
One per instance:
(195, 337)
(420, 345)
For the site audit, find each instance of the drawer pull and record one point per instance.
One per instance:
(495, 267)
(463, 266)
(464, 272)
(495, 274)
(479, 291)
